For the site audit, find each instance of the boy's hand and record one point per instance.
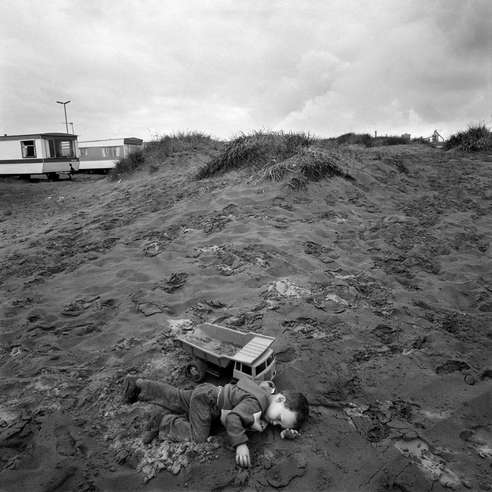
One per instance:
(289, 434)
(242, 456)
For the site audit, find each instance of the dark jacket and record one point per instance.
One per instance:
(238, 403)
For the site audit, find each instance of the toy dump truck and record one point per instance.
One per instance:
(216, 349)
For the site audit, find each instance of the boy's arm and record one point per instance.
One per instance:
(239, 419)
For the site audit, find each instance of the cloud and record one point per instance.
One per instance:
(408, 75)
(225, 67)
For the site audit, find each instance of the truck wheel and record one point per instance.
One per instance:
(196, 370)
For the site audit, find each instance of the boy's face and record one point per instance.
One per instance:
(278, 414)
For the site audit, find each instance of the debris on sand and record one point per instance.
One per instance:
(336, 299)
(174, 282)
(179, 325)
(77, 307)
(148, 308)
(153, 248)
(286, 288)
(163, 455)
(432, 465)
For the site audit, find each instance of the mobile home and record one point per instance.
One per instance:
(105, 153)
(38, 153)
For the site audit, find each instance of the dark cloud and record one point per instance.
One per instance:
(223, 67)
(467, 27)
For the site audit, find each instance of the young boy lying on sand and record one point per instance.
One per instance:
(242, 406)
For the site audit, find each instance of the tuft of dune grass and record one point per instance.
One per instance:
(368, 141)
(476, 138)
(167, 145)
(159, 149)
(355, 139)
(308, 165)
(256, 150)
(128, 164)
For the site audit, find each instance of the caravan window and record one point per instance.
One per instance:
(61, 148)
(28, 148)
(111, 152)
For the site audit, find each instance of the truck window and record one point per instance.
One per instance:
(269, 360)
(238, 366)
(261, 367)
(28, 148)
(247, 370)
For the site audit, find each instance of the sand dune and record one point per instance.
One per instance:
(377, 289)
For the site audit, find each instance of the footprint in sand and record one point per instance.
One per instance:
(452, 366)
(385, 333)
(77, 307)
(65, 443)
(281, 474)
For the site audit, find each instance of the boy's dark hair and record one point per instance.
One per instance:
(298, 403)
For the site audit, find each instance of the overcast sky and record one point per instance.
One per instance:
(146, 68)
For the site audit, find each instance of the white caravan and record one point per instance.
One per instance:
(104, 154)
(38, 153)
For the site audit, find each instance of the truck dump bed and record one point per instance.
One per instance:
(220, 345)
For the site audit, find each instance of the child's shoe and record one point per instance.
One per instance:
(130, 389)
(152, 428)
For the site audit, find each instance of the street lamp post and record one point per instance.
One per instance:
(65, 109)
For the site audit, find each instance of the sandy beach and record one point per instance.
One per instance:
(377, 289)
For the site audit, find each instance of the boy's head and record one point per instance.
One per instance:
(287, 409)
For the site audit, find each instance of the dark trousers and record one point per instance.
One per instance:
(191, 411)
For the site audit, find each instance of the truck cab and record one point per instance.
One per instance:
(261, 369)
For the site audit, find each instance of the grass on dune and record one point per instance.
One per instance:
(156, 151)
(129, 164)
(255, 150)
(279, 152)
(167, 145)
(276, 156)
(308, 165)
(476, 138)
(369, 141)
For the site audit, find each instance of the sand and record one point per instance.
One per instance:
(377, 290)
